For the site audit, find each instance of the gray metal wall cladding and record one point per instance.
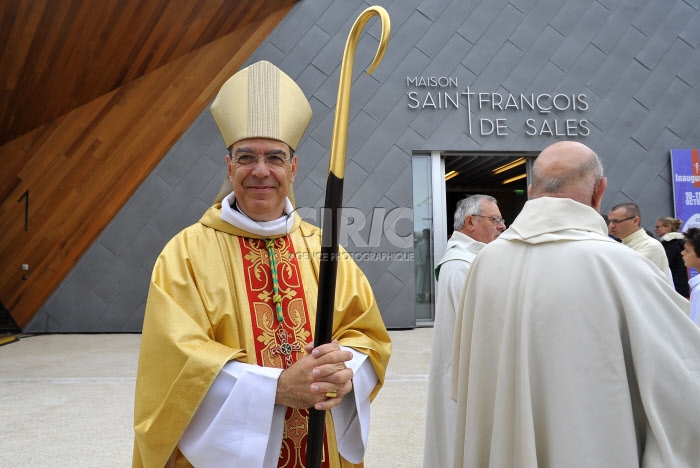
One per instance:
(636, 61)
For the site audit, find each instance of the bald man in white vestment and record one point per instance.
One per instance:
(569, 351)
(477, 221)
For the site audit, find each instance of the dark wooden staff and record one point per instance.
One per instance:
(331, 214)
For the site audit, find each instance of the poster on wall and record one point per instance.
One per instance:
(685, 166)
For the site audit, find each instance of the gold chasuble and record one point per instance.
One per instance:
(214, 298)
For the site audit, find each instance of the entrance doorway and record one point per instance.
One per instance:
(504, 176)
(440, 180)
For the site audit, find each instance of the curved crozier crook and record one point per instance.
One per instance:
(342, 106)
(328, 265)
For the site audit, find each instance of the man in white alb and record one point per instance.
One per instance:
(624, 223)
(569, 351)
(477, 221)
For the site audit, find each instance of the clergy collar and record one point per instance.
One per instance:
(232, 215)
(549, 215)
(461, 239)
(639, 234)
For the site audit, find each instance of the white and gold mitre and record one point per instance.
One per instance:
(261, 101)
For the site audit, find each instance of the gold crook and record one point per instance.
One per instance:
(339, 141)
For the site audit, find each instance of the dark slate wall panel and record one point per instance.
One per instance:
(637, 61)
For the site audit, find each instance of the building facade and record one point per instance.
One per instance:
(466, 89)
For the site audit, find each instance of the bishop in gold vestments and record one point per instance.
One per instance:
(231, 305)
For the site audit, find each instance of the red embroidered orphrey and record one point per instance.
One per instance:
(280, 344)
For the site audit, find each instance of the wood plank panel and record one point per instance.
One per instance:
(81, 168)
(60, 54)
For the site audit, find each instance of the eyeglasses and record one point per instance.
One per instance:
(247, 159)
(494, 219)
(615, 222)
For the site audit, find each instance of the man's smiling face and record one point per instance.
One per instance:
(261, 186)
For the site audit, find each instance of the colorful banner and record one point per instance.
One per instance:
(685, 166)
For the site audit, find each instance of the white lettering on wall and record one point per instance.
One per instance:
(438, 93)
(435, 100)
(432, 81)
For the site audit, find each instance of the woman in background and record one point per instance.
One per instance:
(673, 241)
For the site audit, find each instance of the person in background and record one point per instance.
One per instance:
(477, 221)
(691, 257)
(624, 222)
(666, 229)
(423, 268)
(570, 350)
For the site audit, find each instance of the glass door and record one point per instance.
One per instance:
(422, 237)
(429, 236)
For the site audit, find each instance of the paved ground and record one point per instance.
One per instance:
(67, 401)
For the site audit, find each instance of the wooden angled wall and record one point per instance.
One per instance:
(75, 149)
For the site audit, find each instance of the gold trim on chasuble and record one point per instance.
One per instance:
(280, 344)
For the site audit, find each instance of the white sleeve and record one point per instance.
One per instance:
(351, 417)
(237, 424)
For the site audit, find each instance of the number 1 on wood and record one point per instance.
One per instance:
(25, 195)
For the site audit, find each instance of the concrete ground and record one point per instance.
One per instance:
(67, 401)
